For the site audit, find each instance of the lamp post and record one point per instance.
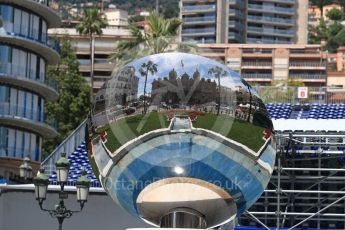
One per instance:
(25, 170)
(41, 181)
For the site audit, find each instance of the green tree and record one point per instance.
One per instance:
(158, 36)
(321, 4)
(335, 14)
(92, 23)
(145, 70)
(280, 90)
(332, 34)
(73, 104)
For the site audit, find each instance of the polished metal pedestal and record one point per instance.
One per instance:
(183, 218)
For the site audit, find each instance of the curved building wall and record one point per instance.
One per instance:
(18, 143)
(23, 23)
(16, 62)
(24, 86)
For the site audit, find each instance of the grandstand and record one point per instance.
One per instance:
(307, 189)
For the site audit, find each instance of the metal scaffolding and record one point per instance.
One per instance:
(307, 189)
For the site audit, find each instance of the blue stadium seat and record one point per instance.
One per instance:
(78, 160)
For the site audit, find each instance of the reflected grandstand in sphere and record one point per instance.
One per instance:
(177, 134)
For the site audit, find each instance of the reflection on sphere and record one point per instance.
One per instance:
(178, 130)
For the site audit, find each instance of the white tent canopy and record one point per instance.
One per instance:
(309, 124)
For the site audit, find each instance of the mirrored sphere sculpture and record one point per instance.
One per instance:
(177, 134)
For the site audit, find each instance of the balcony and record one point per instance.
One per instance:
(7, 151)
(271, 9)
(267, 41)
(257, 76)
(85, 67)
(316, 77)
(284, 1)
(307, 65)
(201, 31)
(17, 75)
(199, 20)
(199, 8)
(28, 119)
(256, 65)
(200, 41)
(307, 53)
(236, 25)
(271, 20)
(236, 13)
(237, 3)
(49, 51)
(40, 7)
(235, 36)
(266, 31)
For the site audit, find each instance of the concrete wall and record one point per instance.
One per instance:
(20, 210)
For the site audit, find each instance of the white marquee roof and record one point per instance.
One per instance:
(309, 124)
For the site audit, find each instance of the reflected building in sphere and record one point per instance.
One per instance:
(181, 141)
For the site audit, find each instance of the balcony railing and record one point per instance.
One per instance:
(257, 64)
(308, 76)
(32, 35)
(303, 51)
(270, 19)
(17, 71)
(198, 31)
(271, 8)
(238, 3)
(308, 64)
(271, 31)
(267, 41)
(8, 151)
(236, 13)
(257, 75)
(257, 51)
(199, 8)
(237, 25)
(199, 19)
(12, 110)
(235, 36)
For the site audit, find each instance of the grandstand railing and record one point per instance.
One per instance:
(67, 146)
(289, 94)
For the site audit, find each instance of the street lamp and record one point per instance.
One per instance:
(25, 169)
(41, 182)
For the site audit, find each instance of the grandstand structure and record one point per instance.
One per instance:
(307, 189)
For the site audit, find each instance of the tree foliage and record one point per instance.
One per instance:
(335, 14)
(332, 33)
(159, 35)
(281, 90)
(74, 96)
(92, 22)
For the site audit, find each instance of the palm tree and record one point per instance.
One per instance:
(144, 70)
(92, 23)
(158, 36)
(321, 4)
(218, 72)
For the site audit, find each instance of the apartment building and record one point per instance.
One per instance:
(104, 47)
(25, 51)
(264, 63)
(244, 21)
